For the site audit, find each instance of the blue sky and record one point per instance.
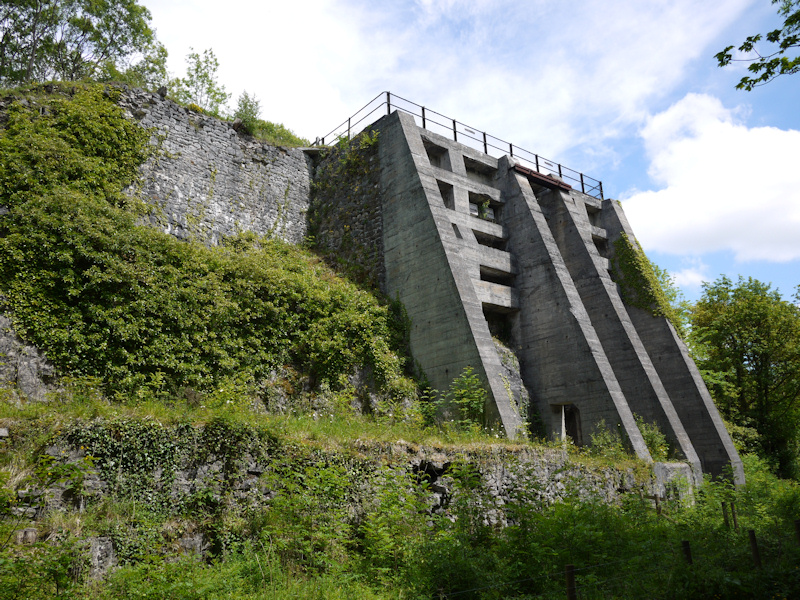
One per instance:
(623, 90)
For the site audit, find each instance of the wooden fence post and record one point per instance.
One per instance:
(687, 551)
(754, 548)
(572, 591)
(797, 530)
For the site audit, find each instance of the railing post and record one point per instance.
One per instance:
(559, 171)
(536, 162)
(485, 147)
(583, 187)
(348, 127)
(388, 103)
(511, 149)
(423, 118)
(601, 190)
(455, 132)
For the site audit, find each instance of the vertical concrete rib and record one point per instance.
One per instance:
(424, 269)
(563, 361)
(681, 378)
(574, 234)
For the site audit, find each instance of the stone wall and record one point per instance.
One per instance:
(207, 181)
(345, 218)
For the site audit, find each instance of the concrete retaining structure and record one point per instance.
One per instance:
(476, 247)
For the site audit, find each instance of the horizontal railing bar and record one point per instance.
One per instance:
(463, 132)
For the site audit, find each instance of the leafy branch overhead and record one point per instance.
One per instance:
(764, 67)
(70, 39)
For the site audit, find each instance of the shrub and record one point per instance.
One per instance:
(247, 111)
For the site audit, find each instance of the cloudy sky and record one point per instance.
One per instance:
(626, 91)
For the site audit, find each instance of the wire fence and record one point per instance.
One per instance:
(386, 103)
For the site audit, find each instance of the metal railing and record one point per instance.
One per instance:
(469, 136)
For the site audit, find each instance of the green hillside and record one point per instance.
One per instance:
(243, 422)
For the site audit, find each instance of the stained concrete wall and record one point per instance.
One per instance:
(538, 265)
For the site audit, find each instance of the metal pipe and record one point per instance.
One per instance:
(455, 133)
(423, 118)
(388, 103)
(485, 148)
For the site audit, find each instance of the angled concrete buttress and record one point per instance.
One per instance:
(476, 247)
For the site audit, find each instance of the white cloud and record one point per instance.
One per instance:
(726, 186)
(547, 75)
(692, 276)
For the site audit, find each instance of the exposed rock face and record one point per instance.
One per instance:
(23, 369)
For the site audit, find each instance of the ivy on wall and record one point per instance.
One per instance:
(638, 282)
(344, 216)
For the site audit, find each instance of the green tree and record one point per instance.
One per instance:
(766, 67)
(69, 39)
(748, 339)
(149, 72)
(248, 110)
(200, 85)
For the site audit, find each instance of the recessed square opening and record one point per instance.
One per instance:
(478, 171)
(602, 247)
(448, 196)
(437, 156)
(501, 323)
(490, 241)
(483, 207)
(496, 276)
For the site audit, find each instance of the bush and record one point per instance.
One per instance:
(248, 110)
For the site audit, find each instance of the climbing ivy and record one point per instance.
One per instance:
(638, 282)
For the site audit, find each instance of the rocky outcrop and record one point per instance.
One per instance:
(24, 372)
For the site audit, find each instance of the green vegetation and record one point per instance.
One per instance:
(639, 281)
(200, 86)
(334, 515)
(212, 392)
(764, 67)
(142, 311)
(72, 39)
(747, 341)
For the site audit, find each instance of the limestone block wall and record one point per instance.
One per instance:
(207, 181)
(345, 218)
